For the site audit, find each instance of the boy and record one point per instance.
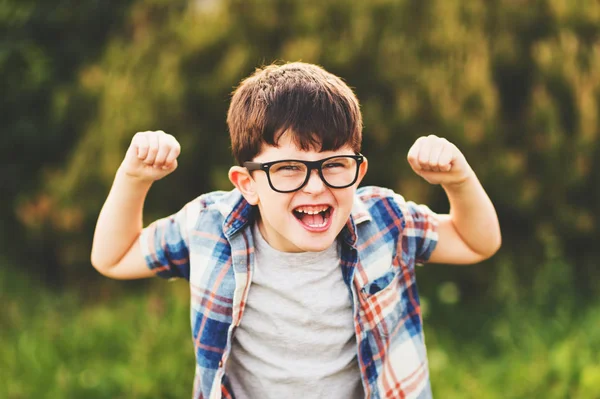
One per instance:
(302, 285)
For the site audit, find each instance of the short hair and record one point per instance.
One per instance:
(319, 109)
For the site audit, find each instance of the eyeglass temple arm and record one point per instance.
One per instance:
(253, 166)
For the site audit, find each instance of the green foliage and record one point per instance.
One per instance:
(43, 47)
(517, 88)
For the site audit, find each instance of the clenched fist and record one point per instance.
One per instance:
(438, 161)
(151, 156)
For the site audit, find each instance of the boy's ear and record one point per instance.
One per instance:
(362, 170)
(242, 180)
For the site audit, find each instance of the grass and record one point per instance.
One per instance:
(97, 344)
(520, 356)
(61, 346)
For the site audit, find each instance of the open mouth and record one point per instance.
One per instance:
(314, 217)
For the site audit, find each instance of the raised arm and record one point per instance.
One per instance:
(470, 233)
(116, 250)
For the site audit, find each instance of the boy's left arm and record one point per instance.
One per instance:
(470, 233)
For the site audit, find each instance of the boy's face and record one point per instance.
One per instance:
(306, 220)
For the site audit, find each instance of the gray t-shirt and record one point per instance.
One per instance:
(296, 338)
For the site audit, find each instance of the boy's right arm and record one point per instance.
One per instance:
(116, 249)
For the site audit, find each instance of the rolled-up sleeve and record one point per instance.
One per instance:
(419, 233)
(425, 229)
(165, 245)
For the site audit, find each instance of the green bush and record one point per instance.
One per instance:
(516, 87)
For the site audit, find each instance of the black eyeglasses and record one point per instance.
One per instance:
(290, 175)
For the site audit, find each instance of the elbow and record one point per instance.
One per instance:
(496, 247)
(101, 265)
(493, 246)
(96, 260)
(498, 243)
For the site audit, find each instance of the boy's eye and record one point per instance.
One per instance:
(288, 167)
(337, 163)
(333, 165)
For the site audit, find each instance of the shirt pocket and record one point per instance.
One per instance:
(381, 304)
(380, 283)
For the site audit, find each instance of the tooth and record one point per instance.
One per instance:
(312, 211)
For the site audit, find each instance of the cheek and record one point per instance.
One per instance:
(345, 200)
(273, 207)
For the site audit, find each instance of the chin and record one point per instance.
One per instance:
(317, 245)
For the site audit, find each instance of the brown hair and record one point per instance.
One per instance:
(318, 107)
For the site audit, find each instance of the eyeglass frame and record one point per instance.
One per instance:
(310, 165)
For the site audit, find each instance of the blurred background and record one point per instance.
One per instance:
(514, 83)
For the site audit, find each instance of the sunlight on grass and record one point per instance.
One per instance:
(56, 346)
(138, 346)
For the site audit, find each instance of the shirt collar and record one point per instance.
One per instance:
(358, 215)
(237, 213)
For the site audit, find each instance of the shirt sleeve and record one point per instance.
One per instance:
(425, 227)
(165, 245)
(420, 229)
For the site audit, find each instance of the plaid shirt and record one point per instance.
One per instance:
(209, 243)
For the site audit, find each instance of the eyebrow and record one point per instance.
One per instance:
(306, 160)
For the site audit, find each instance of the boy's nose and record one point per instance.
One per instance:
(314, 184)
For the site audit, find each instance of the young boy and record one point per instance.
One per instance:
(302, 285)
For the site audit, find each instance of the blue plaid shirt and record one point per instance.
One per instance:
(210, 244)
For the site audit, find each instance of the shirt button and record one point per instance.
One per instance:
(220, 363)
